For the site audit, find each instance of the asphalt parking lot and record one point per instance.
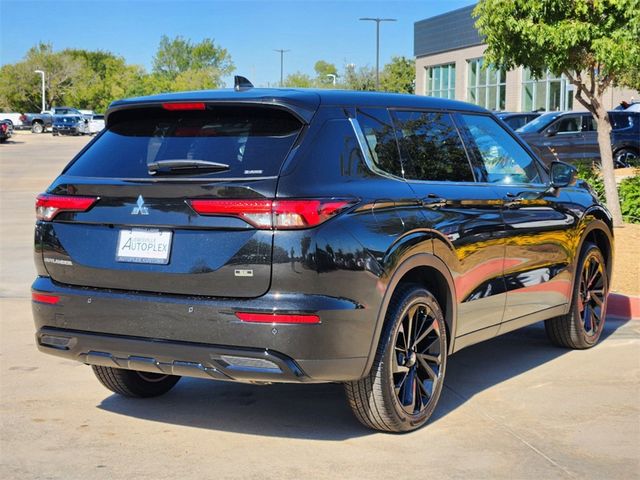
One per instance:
(513, 407)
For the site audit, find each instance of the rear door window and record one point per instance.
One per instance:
(431, 147)
(502, 159)
(380, 136)
(251, 141)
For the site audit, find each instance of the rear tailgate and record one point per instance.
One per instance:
(141, 232)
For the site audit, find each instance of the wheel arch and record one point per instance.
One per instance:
(429, 271)
(599, 231)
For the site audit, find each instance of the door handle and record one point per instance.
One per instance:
(433, 201)
(512, 200)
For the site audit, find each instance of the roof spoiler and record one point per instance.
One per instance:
(241, 83)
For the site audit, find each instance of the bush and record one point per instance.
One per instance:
(591, 174)
(629, 191)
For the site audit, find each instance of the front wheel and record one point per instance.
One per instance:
(131, 383)
(404, 384)
(582, 327)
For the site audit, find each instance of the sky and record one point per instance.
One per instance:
(250, 30)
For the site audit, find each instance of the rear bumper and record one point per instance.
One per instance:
(170, 357)
(188, 335)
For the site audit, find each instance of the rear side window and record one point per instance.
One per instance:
(381, 139)
(502, 158)
(251, 141)
(431, 147)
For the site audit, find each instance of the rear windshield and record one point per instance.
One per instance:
(540, 123)
(252, 141)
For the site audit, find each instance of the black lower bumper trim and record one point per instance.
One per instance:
(171, 357)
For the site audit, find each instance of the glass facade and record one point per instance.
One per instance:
(486, 86)
(547, 93)
(441, 81)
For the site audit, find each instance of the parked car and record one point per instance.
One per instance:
(39, 122)
(96, 124)
(69, 125)
(14, 120)
(516, 120)
(6, 130)
(266, 235)
(572, 137)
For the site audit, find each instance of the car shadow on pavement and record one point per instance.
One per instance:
(320, 412)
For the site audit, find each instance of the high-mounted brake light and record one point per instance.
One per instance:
(277, 214)
(277, 318)
(42, 298)
(184, 106)
(48, 206)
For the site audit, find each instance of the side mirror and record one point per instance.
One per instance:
(551, 132)
(562, 174)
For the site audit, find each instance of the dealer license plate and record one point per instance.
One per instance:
(143, 245)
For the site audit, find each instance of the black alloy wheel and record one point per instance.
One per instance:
(402, 389)
(583, 325)
(417, 358)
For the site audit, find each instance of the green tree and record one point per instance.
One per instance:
(179, 55)
(324, 71)
(298, 80)
(20, 86)
(363, 78)
(596, 44)
(398, 75)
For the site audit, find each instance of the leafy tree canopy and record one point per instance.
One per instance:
(595, 43)
(179, 55)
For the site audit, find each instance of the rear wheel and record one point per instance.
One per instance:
(625, 157)
(131, 383)
(37, 127)
(404, 384)
(582, 326)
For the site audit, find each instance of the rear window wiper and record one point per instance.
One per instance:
(178, 166)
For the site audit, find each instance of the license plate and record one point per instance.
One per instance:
(142, 245)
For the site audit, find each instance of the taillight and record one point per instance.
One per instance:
(184, 106)
(43, 298)
(48, 206)
(277, 318)
(277, 214)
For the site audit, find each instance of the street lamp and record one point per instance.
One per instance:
(42, 73)
(332, 76)
(378, 20)
(282, 52)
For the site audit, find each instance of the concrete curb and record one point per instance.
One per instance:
(623, 306)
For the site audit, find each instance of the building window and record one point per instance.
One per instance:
(441, 81)
(547, 93)
(486, 86)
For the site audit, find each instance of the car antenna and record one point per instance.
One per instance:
(241, 83)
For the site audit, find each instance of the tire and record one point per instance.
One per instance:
(381, 400)
(625, 157)
(37, 127)
(582, 327)
(131, 383)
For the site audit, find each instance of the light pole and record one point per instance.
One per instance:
(42, 73)
(378, 20)
(282, 52)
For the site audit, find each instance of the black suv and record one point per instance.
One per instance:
(573, 137)
(311, 236)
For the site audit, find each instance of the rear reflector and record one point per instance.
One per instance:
(42, 298)
(277, 318)
(278, 214)
(184, 106)
(48, 206)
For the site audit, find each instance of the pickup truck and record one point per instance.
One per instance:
(39, 122)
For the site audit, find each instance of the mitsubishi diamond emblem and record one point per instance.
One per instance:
(140, 209)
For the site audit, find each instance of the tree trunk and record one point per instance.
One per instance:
(606, 158)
